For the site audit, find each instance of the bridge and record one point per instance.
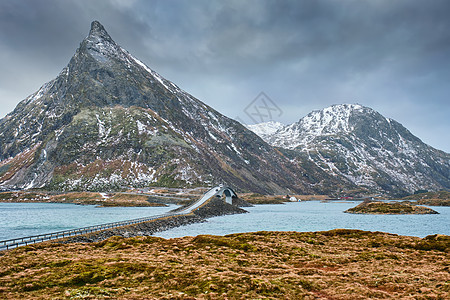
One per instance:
(218, 191)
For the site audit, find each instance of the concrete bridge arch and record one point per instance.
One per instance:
(229, 193)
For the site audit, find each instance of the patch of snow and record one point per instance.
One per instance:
(328, 121)
(141, 127)
(236, 149)
(42, 90)
(103, 133)
(212, 135)
(30, 185)
(265, 129)
(187, 174)
(101, 126)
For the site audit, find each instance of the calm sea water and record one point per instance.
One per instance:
(24, 219)
(316, 216)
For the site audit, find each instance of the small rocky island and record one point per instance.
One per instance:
(390, 208)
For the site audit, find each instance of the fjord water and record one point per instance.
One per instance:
(316, 216)
(24, 219)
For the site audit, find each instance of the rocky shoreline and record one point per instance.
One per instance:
(215, 207)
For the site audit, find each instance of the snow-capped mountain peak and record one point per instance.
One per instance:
(366, 148)
(107, 120)
(328, 121)
(97, 30)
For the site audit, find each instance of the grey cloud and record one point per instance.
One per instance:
(393, 56)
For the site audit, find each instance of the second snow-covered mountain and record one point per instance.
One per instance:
(358, 144)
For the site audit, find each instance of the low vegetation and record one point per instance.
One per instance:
(337, 264)
(255, 198)
(441, 198)
(311, 197)
(434, 202)
(389, 208)
(84, 198)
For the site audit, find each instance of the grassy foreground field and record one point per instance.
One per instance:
(337, 264)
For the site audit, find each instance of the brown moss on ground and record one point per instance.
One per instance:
(389, 208)
(83, 198)
(123, 199)
(23, 196)
(434, 202)
(255, 198)
(441, 198)
(444, 195)
(311, 197)
(108, 200)
(337, 264)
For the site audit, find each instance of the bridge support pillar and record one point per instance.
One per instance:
(228, 197)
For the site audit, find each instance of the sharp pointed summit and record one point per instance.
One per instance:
(99, 38)
(98, 30)
(108, 121)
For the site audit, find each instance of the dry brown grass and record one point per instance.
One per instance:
(338, 264)
(122, 199)
(441, 198)
(20, 161)
(23, 196)
(385, 208)
(434, 202)
(311, 197)
(443, 195)
(255, 198)
(83, 198)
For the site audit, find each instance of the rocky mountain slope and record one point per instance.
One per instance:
(107, 121)
(359, 144)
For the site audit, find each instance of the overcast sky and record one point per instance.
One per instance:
(393, 56)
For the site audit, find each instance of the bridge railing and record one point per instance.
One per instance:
(192, 205)
(13, 243)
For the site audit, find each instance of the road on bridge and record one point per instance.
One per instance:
(13, 243)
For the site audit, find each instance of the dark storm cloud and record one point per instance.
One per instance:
(393, 56)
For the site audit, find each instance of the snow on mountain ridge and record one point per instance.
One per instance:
(107, 121)
(329, 121)
(101, 46)
(266, 128)
(366, 148)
